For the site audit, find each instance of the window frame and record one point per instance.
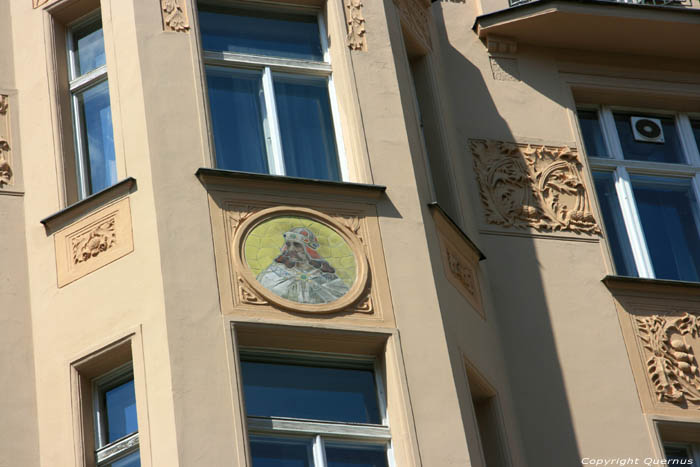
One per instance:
(279, 65)
(77, 84)
(321, 432)
(623, 171)
(107, 453)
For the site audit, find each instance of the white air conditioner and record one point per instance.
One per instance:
(648, 130)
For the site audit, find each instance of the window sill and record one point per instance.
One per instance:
(651, 287)
(231, 179)
(67, 216)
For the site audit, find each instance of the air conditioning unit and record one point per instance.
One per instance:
(648, 130)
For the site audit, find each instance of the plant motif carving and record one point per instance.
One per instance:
(353, 225)
(238, 216)
(356, 25)
(463, 273)
(416, 16)
(523, 185)
(5, 172)
(174, 17)
(94, 242)
(247, 295)
(5, 167)
(365, 304)
(671, 366)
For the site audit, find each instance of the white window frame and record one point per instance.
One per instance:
(107, 453)
(623, 169)
(323, 432)
(76, 84)
(270, 64)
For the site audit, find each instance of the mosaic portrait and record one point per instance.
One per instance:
(300, 259)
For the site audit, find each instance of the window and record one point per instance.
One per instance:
(271, 92)
(682, 454)
(95, 163)
(116, 427)
(646, 171)
(308, 410)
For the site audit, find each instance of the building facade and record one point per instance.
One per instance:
(349, 232)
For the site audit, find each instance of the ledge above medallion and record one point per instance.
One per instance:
(88, 205)
(232, 180)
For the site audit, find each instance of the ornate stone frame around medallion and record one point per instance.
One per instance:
(256, 218)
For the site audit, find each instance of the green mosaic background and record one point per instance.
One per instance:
(264, 242)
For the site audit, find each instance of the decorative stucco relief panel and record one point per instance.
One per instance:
(660, 323)
(5, 144)
(415, 14)
(174, 15)
(356, 25)
(531, 186)
(93, 242)
(460, 259)
(670, 360)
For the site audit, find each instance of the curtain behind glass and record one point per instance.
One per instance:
(667, 213)
(96, 119)
(306, 125)
(235, 102)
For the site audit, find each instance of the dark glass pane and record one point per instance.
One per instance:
(236, 104)
(668, 151)
(696, 132)
(592, 133)
(666, 209)
(310, 392)
(120, 404)
(306, 125)
(280, 452)
(260, 33)
(132, 460)
(89, 47)
(614, 224)
(677, 453)
(97, 136)
(356, 456)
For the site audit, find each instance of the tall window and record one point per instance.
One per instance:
(646, 169)
(310, 411)
(271, 92)
(92, 116)
(116, 428)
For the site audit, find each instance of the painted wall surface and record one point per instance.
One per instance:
(544, 332)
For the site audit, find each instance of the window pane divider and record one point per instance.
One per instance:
(277, 64)
(640, 251)
(276, 159)
(291, 426)
(88, 79)
(612, 141)
(643, 167)
(690, 147)
(319, 451)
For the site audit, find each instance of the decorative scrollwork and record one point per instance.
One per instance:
(174, 17)
(94, 242)
(671, 366)
(523, 185)
(356, 25)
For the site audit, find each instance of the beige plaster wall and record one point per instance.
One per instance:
(19, 442)
(567, 368)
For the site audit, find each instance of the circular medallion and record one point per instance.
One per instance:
(301, 260)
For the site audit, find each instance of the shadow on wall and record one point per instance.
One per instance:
(516, 302)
